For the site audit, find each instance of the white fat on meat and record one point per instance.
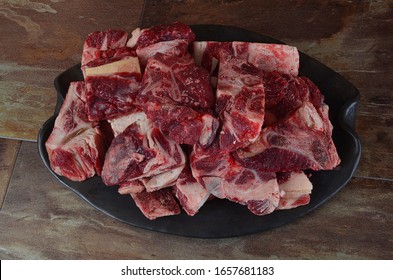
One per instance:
(199, 48)
(164, 157)
(269, 57)
(208, 130)
(199, 51)
(76, 146)
(154, 183)
(119, 124)
(127, 65)
(176, 47)
(163, 180)
(112, 87)
(261, 195)
(296, 189)
(128, 187)
(225, 178)
(134, 37)
(191, 194)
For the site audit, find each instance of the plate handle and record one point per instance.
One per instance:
(348, 114)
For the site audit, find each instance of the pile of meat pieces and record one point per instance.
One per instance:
(171, 121)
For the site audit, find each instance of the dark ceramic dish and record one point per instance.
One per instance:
(221, 218)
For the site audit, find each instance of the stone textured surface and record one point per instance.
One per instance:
(8, 153)
(40, 219)
(39, 40)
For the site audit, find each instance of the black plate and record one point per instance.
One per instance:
(221, 218)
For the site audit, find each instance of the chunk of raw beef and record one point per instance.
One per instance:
(207, 53)
(128, 187)
(269, 57)
(141, 151)
(157, 204)
(76, 147)
(171, 39)
(240, 102)
(120, 124)
(302, 141)
(224, 177)
(190, 193)
(111, 88)
(178, 98)
(162, 180)
(286, 93)
(150, 183)
(175, 48)
(103, 44)
(295, 187)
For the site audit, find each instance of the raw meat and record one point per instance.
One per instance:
(286, 93)
(164, 32)
(140, 151)
(76, 147)
(178, 98)
(176, 48)
(105, 47)
(157, 204)
(112, 74)
(103, 44)
(295, 187)
(155, 182)
(151, 184)
(162, 180)
(247, 124)
(207, 53)
(119, 124)
(190, 193)
(240, 102)
(111, 89)
(269, 57)
(303, 141)
(171, 39)
(128, 187)
(224, 177)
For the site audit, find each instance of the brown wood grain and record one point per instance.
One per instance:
(314, 19)
(8, 153)
(39, 40)
(49, 221)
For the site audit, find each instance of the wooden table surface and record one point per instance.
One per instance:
(40, 219)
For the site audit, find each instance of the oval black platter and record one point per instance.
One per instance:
(221, 218)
